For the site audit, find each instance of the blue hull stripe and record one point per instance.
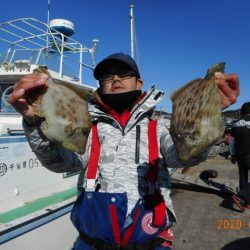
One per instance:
(12, 139)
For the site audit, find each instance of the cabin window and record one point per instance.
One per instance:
(5, 91)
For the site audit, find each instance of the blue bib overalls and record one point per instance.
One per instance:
(101, 218)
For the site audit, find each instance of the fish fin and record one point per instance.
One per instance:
(177, 92)
(84, 93)
(219, 67)
(79, 90)
(42, 69)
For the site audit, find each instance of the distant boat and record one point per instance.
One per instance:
(35, 202)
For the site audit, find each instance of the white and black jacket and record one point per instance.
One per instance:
(119, 170)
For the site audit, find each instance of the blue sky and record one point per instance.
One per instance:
(177, 40)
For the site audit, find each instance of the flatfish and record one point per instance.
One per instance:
(196, 122)
(64, 109)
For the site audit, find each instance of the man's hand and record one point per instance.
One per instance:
(24, 90)
(228, 85)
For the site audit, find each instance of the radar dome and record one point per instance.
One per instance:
(63, 26)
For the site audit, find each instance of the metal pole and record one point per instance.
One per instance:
(131, 16)
(80, 69)
(61, 56)
(48, 18)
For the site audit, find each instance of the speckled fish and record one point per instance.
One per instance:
(64, 108)
(196, 122)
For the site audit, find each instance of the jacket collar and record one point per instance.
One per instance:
(149, 100)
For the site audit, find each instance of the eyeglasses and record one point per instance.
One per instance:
(109, 78)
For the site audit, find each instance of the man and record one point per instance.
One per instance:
(126, 158)
(240, 152)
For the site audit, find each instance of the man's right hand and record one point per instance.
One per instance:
(26, 88)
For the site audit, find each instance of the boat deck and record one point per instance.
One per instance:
(44, 220)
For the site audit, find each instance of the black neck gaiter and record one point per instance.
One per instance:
(121, 101)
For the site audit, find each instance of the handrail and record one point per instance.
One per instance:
(31, 34)
(45, 31)
(15, 131)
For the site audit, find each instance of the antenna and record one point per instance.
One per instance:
(131, 16)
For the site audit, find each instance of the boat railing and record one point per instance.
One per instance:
(41, 44)
(21, 60)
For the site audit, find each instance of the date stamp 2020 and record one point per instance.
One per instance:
(232, 224)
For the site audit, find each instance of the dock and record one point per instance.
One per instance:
(206, 219)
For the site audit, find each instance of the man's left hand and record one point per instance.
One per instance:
(228, 85)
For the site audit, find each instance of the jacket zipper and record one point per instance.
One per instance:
(137, 144)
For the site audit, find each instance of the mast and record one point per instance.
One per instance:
(48, 18)
(131, 16)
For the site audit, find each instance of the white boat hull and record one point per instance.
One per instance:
(35, 203)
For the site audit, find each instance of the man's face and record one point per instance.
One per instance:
(119, 79)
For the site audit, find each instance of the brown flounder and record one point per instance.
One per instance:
(196, 122)
(64, 108)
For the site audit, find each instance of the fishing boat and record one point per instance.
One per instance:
(35, 202)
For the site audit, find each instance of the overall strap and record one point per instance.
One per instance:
(93, 158)
(159, 210)
(153, 152)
